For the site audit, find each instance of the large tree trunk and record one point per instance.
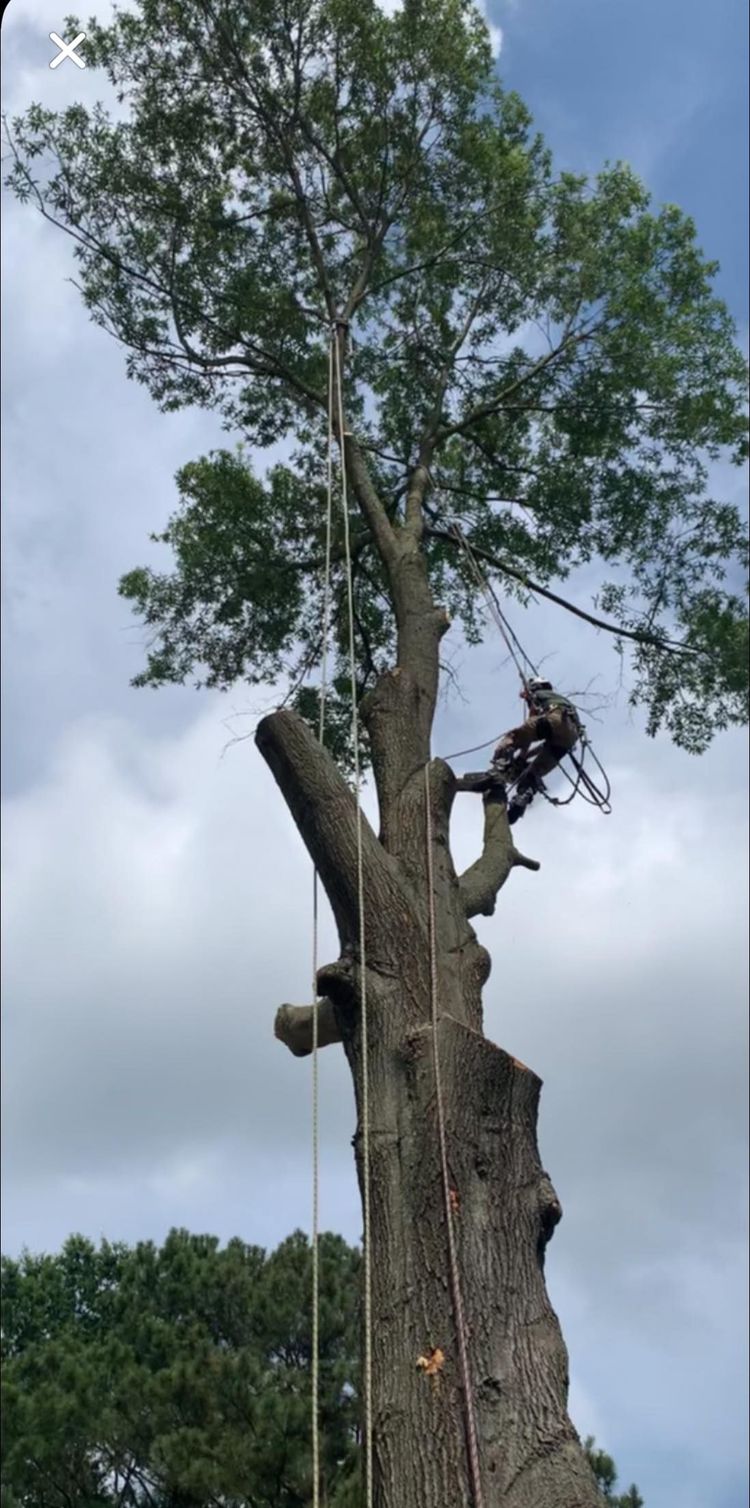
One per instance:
(500, 1203)
(504, 1208)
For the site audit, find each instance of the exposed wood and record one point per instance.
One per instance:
(294, 1027)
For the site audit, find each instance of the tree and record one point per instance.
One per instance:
(177, 1377)
(181, 1375)
(544, 359)
(605, 1471)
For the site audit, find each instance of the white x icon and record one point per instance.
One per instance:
(67, 49)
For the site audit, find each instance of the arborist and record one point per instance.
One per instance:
(552, 722)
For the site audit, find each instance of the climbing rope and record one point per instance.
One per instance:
(315, 1237)
(365, 1089)
(472, 1443)
(583, 785)
(475, 748)
(515, 649)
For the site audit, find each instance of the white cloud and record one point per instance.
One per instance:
(157, 910)
(390, 7)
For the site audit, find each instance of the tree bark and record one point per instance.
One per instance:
(503, 1206)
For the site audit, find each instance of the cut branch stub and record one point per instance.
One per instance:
(294, 1027)
(338, 996)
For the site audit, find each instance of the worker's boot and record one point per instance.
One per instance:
(526, 790)
(518, 805)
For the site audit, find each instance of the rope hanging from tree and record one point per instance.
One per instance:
(336, 418)
(583, 785)
(365, 1086)
(315, 1236)
(472, 1442)
(336, 408)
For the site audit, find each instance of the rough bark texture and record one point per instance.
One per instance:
(504, 1206)
(505, 1210)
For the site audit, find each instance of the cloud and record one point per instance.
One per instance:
(390, 7)
(157, 910)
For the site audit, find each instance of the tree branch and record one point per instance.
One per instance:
(640, 636)
(486, 410)
(369, 502)
(415, 495)
(480, 883)
(324, 810)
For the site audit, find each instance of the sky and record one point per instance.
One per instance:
(156, 896)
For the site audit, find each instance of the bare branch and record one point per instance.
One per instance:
(486, 410)
(369, 502)
(640, 636)
(324, 810)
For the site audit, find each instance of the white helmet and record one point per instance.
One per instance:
(539, 683)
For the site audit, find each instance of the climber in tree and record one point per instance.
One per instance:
(554, 723)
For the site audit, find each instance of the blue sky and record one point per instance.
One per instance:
(661, 84)
(147, 950)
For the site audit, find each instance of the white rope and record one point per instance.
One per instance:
(491, 600)
(472, 1443)
(315, 1238)
(365, 1092)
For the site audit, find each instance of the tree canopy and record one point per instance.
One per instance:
(535, 354)
(179, 1377)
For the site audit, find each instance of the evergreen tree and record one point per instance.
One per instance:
(180, 1377)
(177, 1376)
(605, 1471)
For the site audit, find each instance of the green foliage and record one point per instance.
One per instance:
(178, 1376)
(552, 345)
(605, 1471)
